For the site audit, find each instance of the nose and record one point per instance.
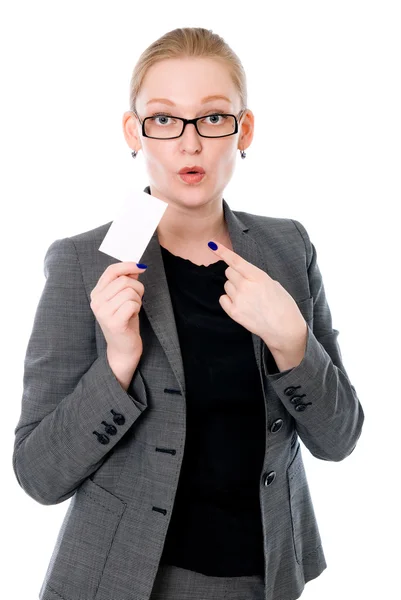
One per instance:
(190, 137)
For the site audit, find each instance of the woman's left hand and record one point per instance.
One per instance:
(260, 304)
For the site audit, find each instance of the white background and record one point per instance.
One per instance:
(324, 86)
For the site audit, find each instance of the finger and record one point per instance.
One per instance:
(230, 289)
(234, 260)
(120, 283)
(115, 302)
(115, 270)
(233, 276)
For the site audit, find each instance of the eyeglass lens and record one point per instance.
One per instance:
(163, 126)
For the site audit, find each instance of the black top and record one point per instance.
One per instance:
(216, 525)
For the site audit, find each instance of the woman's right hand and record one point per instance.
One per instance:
(116, 301)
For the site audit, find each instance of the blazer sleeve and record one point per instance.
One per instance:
(331, 422)
(69, 391)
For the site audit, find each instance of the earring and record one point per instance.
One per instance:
(243, 154)
(134, 153)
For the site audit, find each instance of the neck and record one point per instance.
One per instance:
(184, 226)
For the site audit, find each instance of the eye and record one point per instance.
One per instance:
(165, 114)
(162, 115)
(218, 115)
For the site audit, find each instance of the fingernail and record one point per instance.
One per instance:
(141, 265)
(212, 245)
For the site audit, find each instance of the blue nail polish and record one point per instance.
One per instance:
(141, 265)
(212, 245)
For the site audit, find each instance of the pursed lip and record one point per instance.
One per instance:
(194, 168)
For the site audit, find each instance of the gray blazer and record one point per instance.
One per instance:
(117, 454)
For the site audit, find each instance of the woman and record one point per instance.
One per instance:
(225, 350)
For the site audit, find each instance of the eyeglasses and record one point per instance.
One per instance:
(173, 127)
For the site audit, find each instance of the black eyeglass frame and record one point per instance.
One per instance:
(194, 121)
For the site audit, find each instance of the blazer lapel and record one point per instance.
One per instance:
(156, 301)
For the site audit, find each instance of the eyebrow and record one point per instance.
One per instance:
(203, 101)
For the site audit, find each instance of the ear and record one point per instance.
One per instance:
(131, 130)
(246, 129)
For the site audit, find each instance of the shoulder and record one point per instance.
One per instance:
(285, 234)
(91, 235)
(276, 226)
(65, 253)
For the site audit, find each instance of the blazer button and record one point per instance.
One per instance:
(118, 418)
(295, 399)
(300, 407)
(277, 425)
(290, 390)
(102, 437)
(270, 477)
(109, 428)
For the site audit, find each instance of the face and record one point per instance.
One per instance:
(185, 82)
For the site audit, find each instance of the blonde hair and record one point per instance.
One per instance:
(185, 42)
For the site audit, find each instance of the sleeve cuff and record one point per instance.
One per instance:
(305, 378)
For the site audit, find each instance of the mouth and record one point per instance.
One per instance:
(192, 177)
(191, 170)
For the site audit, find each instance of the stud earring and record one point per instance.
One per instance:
(134, 153)
(243, 154)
